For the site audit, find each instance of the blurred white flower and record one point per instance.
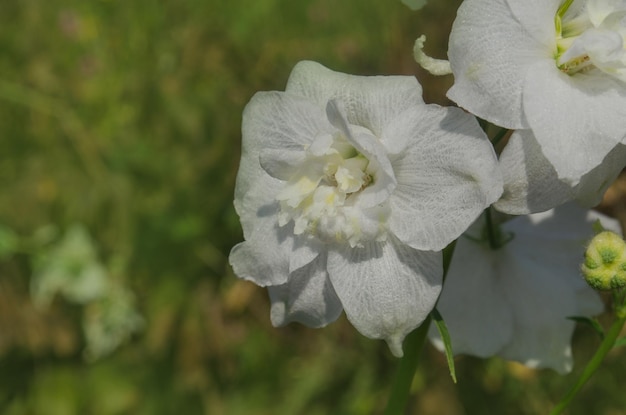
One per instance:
(70, 268)
(558, 71)
(514, 302)
(110, 321)
(347, 187)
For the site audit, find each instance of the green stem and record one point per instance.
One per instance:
(408, 365)
(499, 136)
(594, 363)
(492, 235)
(414, 343)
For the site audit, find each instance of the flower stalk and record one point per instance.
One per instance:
(606, 346)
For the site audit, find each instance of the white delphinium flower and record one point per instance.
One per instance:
(554, 67)
(347, 188)
(514, 302)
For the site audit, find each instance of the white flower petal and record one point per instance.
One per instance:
(305, 250)
(490, 52)
(387, 289)
(577, 120)
(531, 184)
(548, 288)
(371, 102)
(593, 185)
(537, 19)
(308, 297)
(542, 331)
(447, 176)
(275, 121)
(478, 317)
(264, 257)
(256, 262)
(530, 181)
(282, 163)
(536, 276)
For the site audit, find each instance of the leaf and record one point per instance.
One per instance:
(593, 323)
(445, 337)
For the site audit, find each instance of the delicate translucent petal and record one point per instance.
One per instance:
(490, 52)
(478, 317)
(371, 102)
(447, 176)
(535, 277)
(547, 288)
(532, 185)
(542, 331)
(308, 297)
(387, 289)
(577, 120)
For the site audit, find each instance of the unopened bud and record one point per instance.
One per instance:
(605, 262)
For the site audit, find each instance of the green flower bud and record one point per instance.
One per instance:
(605, 262)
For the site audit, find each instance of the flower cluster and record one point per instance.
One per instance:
(349, 187)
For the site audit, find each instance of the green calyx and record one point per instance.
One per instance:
(604, 267)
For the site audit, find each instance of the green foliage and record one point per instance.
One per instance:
(124, 116)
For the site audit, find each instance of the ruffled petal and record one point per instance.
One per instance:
(264, 257)
(447, 176)
(371, 102)
(490, 52)
(275, 121)
(577, 120)
(371, 147)
(308, 297)
(387, 289)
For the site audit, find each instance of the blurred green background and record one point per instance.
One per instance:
(119, 146)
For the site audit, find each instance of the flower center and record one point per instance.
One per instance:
(322, 195)
(591, 36)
